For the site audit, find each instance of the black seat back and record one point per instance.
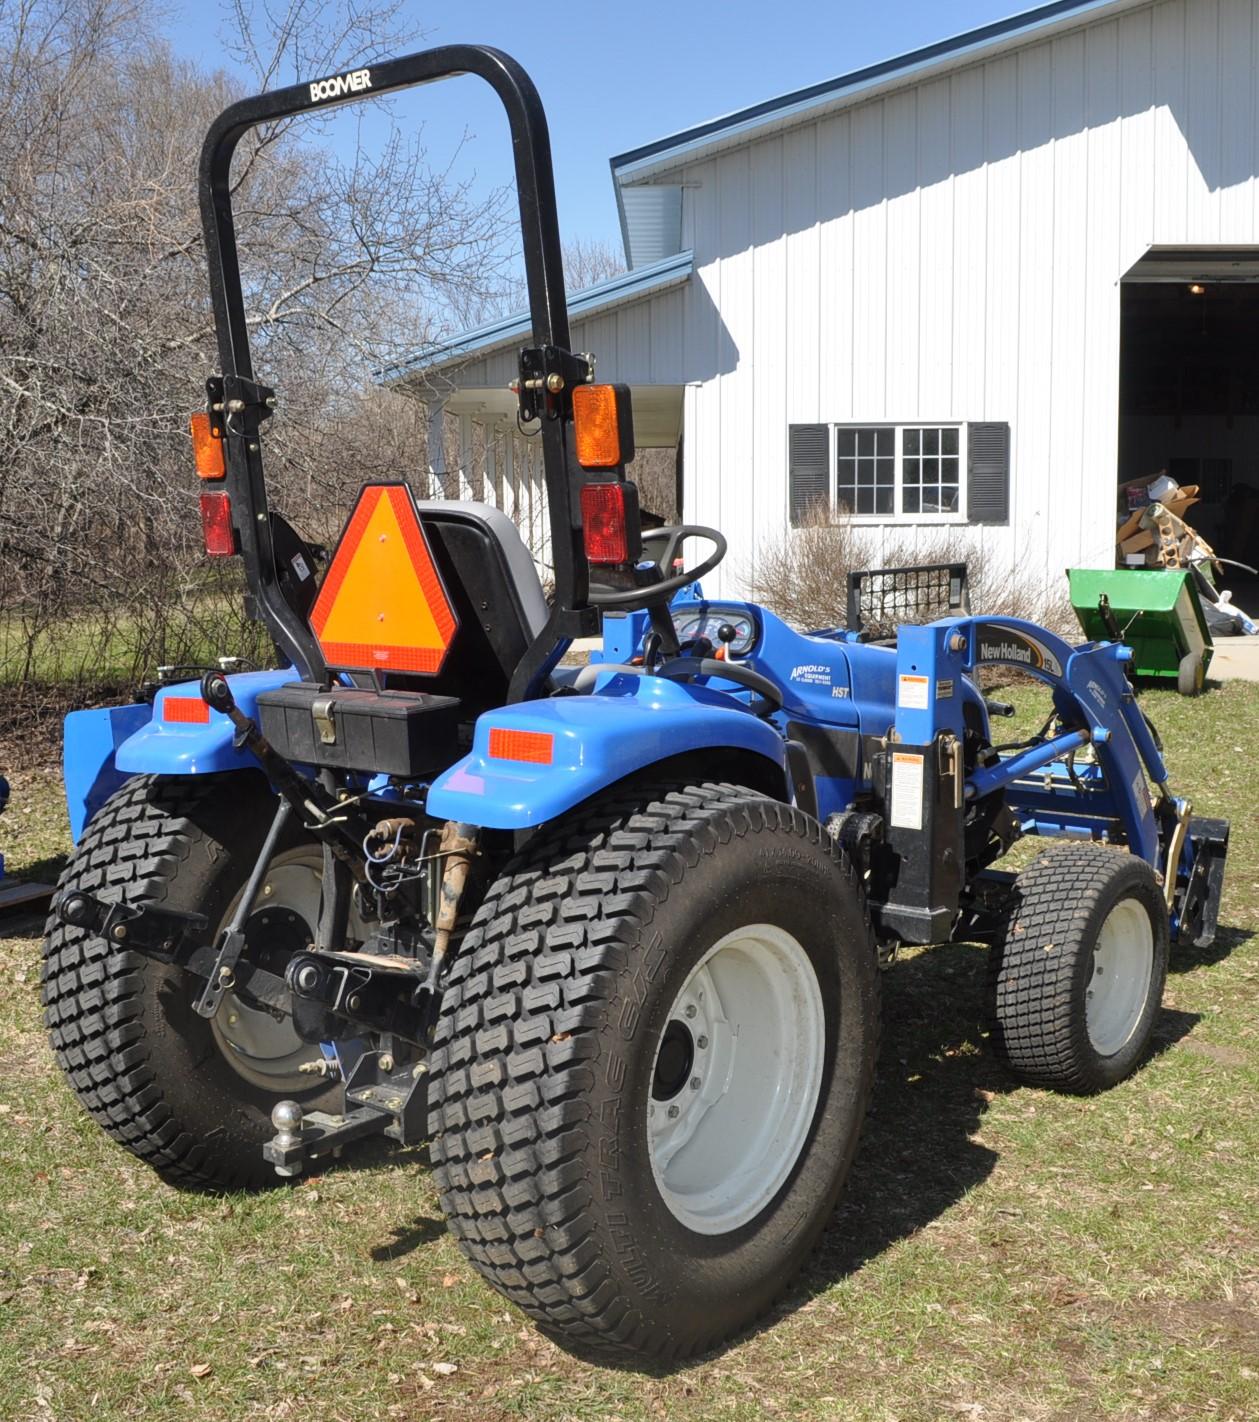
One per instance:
(493, 585)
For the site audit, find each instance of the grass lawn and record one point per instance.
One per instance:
(1001, 1253)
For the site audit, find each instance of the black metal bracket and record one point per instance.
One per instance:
(546, 378)
(380, 1099)
(148, 928)
(373, 991)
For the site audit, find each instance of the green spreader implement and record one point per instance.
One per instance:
(1156, 612)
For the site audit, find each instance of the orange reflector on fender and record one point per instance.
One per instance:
(207, 446)
(536, 747)
(383, 606)
(188, 709)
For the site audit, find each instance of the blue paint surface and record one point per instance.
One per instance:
(181, 748)
(627, 724)
(89, 757)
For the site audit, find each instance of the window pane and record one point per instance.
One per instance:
(909, 498)
(865, 441)
(931, 441)
(930, 471)
(886, 500)
(948, 500)
(950, 441)
(910, 441)
(847, 441)
(948, 471)
(887, 473)
(910, 471)
(886, 442)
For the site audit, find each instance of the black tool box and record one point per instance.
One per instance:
(408, 733)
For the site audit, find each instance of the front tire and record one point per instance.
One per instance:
(658, 939)
(1077, 980)
(188, 1095)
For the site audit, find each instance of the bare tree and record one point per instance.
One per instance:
(105, 329)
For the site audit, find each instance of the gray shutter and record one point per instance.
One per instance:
(988, 472)
(808, 470)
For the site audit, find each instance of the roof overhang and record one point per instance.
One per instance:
(517, 329)
(651, 161)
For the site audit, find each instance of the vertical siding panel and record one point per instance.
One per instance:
(1237, 97)
(970, 245)
(900, 166)
(1093, 541)
(766, 381)
(1138, 124)
(1064, 488)
(935, 254)
(1171, 156)
(1002, 368)
(835, 268)
(629, 354)
(667, 326)
(800, 216)
(703, 346)
(869, 264)
(731, 482)
(1201, 122)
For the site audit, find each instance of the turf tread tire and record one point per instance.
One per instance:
(1038, 970)
(119, 1053)
(512, 1065)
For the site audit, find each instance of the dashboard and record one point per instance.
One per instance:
(707, 619)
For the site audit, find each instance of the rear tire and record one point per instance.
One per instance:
(1077, 981)
(188, 1095)
(656, 939)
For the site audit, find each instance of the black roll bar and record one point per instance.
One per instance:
(246, 404)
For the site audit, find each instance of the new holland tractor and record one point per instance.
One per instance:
(607, 938)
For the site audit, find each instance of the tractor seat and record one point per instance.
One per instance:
(494, 588)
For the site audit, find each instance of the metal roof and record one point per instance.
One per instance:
(652, 159)
(594, 301)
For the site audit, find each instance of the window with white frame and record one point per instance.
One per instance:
(892, 471)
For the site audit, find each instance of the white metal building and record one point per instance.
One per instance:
(974, 285)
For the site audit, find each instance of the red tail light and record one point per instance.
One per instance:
(605, 523)
(216, 524)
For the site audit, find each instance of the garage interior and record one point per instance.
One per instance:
(1189, 390)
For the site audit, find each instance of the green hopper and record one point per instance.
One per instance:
(1156, 612)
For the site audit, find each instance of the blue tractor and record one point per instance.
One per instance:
(609, 937)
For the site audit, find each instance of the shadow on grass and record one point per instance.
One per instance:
(423, 1229)
(1187, 959)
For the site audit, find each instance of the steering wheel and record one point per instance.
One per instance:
(672, 536)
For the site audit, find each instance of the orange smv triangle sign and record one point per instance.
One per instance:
(382, 606)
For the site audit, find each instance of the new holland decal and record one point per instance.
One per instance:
(995, 643)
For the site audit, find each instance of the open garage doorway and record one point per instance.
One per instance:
(1189, 388)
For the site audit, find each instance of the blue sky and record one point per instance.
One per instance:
(614, 77)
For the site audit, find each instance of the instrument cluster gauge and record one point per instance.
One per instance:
(710, 620)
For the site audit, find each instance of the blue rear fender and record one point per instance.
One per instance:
(629, 724)
(104, 747)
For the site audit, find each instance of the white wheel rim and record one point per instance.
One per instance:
(267, 1051)
(723, 1141)
(1123, 965)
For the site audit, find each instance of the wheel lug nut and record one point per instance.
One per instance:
(701, 1042)
(695, 1083)
(673, 1111)
(690, 1009)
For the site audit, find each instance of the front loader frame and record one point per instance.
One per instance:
(549, 370)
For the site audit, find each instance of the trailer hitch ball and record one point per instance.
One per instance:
(286, 1117)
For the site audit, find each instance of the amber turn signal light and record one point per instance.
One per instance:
(603, 426)
(207, 446)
